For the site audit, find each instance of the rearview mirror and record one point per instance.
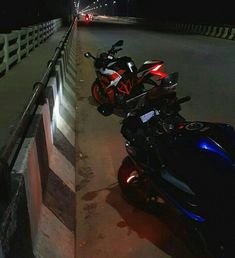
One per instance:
(105, 109)
(87, 54)
(119, 43)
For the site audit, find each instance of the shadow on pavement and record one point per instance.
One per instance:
(156, 228)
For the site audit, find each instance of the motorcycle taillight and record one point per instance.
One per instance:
(156, 70)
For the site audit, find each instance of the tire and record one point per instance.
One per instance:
(132, 187)
(98, 93)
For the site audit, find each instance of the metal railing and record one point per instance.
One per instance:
(12, 147)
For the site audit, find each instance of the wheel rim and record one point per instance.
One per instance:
(98, 94)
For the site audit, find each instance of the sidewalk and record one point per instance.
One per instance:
(16, 86)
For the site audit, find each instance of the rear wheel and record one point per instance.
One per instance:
(98, 93)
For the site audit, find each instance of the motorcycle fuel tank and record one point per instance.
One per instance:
(201, 157)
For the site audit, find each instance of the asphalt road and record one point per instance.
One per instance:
(107, 226)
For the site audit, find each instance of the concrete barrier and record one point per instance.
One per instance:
(223, 32)
(44, 173)
(232, 34)
(2, 63)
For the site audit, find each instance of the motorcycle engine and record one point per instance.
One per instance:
(120, 99)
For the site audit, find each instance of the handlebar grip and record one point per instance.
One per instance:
(184, 99)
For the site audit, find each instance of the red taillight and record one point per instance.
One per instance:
(156, 68)
(156, 71)
(180, 126)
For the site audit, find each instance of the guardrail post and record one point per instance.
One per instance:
(18, 32)
(2, 63)
(35, 36)
(30, 38)
(6, 52)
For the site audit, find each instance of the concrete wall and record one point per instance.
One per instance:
(44, 173)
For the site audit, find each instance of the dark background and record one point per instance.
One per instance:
(200, 11)
(15, 14)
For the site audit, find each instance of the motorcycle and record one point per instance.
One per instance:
(186, 167)
(118, 78)
(87, 19)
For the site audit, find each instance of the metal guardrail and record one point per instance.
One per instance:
(12, 147)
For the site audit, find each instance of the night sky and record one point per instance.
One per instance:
(200, 11)
(18, 13)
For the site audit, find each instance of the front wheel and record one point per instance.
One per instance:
(98, 93)
(134, 185)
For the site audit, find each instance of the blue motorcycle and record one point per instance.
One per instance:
(185, 167)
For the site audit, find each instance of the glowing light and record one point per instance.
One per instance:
(192, 215)
(156, 71)
(130, 178)
(180, 126)
(156, 68)
(212, 146)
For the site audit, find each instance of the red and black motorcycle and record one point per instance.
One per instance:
(118, 79)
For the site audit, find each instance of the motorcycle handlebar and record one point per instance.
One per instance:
(175, 106)
(117, 50)
(88, 54)
(182, 100)
(114, 51)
